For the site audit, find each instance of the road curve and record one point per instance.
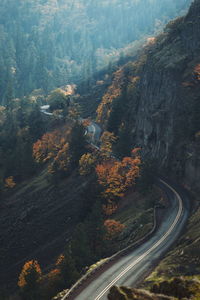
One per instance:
(95, 130)
(131, 268)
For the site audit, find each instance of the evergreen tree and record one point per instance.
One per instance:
(66, 265)
(9, 95)
(122, 147)
(116, 115)
(96, 231)
(36, 123)
(80, 247)
(77, 143)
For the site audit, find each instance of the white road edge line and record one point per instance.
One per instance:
(148, 251)
(94, 131)
(152, 248)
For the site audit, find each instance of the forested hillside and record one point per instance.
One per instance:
(49, 43)
(153, 102)
(68, 199)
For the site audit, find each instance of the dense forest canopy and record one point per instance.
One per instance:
(49, 43)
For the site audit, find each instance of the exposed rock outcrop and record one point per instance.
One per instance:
(124, 293)
(159, 99)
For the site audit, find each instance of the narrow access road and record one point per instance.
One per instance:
(95, 130)
(133, 267)
(44, 109)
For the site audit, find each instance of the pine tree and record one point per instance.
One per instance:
(80, 247)
(77, 143)
(68, 271)
(9, 95)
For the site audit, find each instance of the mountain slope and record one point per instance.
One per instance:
(75, 33)
(153, 103)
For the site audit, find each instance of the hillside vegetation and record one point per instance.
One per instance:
(74, 32)
(65, 203)
(153, 102)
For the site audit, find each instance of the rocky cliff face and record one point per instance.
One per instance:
(159, 99)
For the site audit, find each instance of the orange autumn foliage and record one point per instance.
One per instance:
(10, 183)
(60, 260)
(53, 273)
(86, 122)
(87, 163)
(110, 208)
(30, 273)
(113, 92)
(113, 228)
(63, 158)
(48, 146)
(197, 71)
(107, 140)
(53, 146)
(117, 176)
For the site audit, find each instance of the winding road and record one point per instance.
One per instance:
(130, 269)
(95, 131)
(44, 109)
(92, 129)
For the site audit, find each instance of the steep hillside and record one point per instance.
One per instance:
(183, 259)
(75, 33)
(153, 103)
(53, 199)
(176, 288)
(82, 202)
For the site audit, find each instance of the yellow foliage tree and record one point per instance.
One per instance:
(107, 140)
(48, 146)
(114, 91)
(10, 183)
(87, 163)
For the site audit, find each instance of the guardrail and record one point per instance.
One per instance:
(111, 259)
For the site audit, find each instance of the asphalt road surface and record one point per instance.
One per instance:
(95, 130)
(131, 268)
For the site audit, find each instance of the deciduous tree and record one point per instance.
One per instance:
(77, 143)
(107, 141)
(116, 176)
(54, 146)
(10, 183)
(113, 228)
(29, 279)
(87, 163)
